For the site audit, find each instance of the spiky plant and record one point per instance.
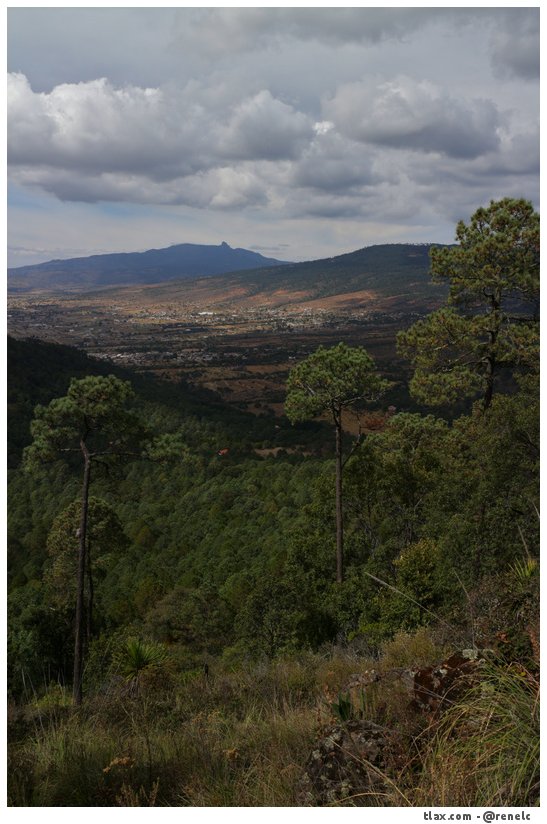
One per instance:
(138, 658)
(524, 570)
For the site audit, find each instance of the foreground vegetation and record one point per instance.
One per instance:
(242, 737)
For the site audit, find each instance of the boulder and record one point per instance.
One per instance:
(437, 687)
(349, 766)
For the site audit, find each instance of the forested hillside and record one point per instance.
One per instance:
(210, 565)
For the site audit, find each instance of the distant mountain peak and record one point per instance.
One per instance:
(182, 260)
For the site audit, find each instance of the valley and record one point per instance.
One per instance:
(235, 333)
(240, 608)
(240, 347)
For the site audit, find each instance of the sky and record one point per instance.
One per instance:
(300, 133)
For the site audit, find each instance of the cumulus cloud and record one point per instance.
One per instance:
(404, 113)
(92, 141)
(333, 164)
(95, 127)
(262, 127)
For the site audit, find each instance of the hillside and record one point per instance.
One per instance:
(221, 648)
(183, 260)
(243, 617)
(392, 269)
(40, 371)
(390, 277)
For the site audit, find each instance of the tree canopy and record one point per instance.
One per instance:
(490, 320)
(94, 411)
(331, 379)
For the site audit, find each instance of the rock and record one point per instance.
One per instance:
(437, 687)
(356, 763)
(348, 767)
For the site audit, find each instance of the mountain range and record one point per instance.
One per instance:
(393, 276)
(184, 260)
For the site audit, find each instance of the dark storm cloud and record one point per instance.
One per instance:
(227, 29)
(514, 45)
(145, 46)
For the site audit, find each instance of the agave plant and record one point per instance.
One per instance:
(137, 658)
(523, 570)
(343, 708)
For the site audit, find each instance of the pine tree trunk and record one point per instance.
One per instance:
(79, 620)
(339, 513)
(489, 391)
(491, 361)
(89, 605)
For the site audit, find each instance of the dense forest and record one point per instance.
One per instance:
(226, 575)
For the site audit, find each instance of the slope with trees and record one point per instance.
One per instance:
(211, 571)
(93, 421)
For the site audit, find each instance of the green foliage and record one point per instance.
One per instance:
(420, 586)
(524, 570)
(497, 252)
(488, 492)
(342, 709)
(268, 623)
(105, 540)
(138, 658)
(412, 649)
(391, 480)
(200, 549)
(234, 555)
(200, 619)
(331, 379)
(229, 561)
(441, 349)
(39, 649)
(93, 410)
(490, 322)
(38, 372)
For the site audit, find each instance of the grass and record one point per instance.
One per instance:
(242, 737)
(236, 739)
(486, 750)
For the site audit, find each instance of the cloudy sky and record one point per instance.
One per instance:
(301, 133)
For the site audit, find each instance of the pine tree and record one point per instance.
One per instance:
(331, 380)
(92, 420)
(490, 320)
